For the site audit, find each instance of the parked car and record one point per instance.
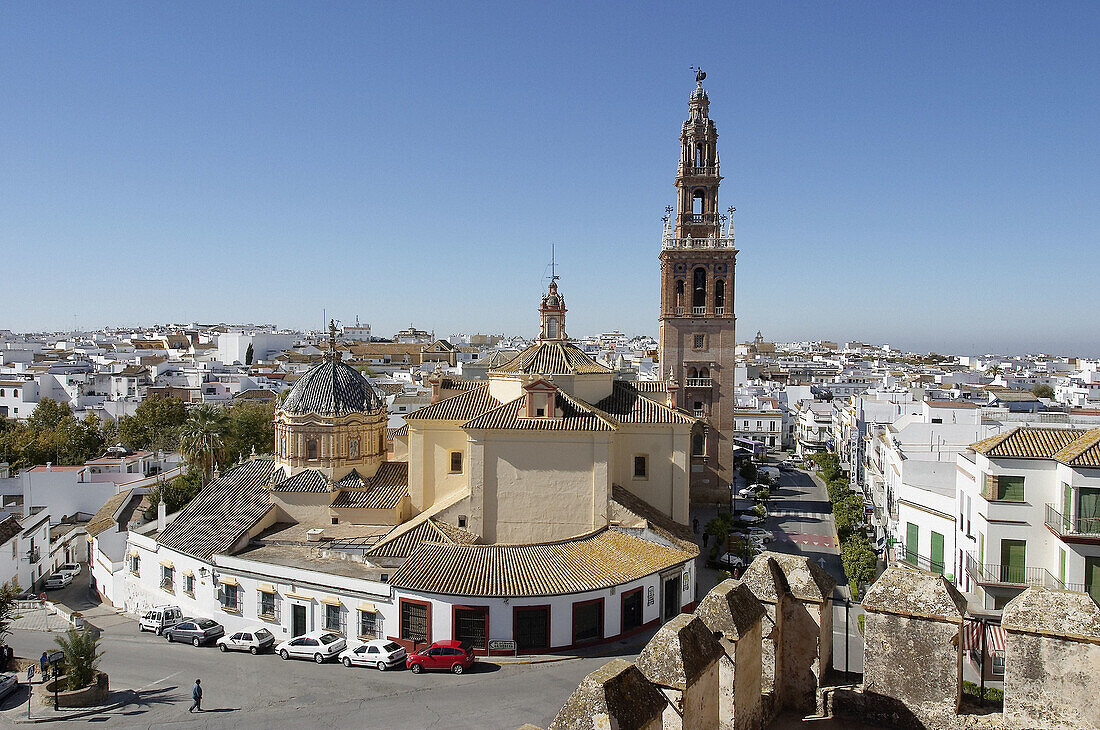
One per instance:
(57, 580)
(316, 645)
(378, 653)
(456, 656)
(251, 640)
(747, 493)
(160, 618)
(9, 682)
(759, 533)
(730, 560)
(72, 569)
(197, 631)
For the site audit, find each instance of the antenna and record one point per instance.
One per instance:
(553, 264)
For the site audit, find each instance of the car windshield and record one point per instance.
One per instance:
(328, 638)
(205, 623)
(391, 646)
(263, 634)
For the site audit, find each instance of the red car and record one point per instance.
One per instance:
(453, 655)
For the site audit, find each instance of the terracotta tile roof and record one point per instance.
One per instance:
(599, 560)
(391, 474)
(104, 518)
(385, 490)
(389, 388)
(401, 544)
(627, 405)
(650, 386)
(462, 407)
(1083, 451)
(9, 528)
(448, 383)
(403, 431)
(1026, 443)
(309, 480)
(630, 510)
(576, 416)
(222, 512)
(552, 358)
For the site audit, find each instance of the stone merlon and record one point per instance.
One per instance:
(765, 578)
(679, 652)
(617, 695)
(907, 591)
(730, 609)
(807, 580)
(1062, 614)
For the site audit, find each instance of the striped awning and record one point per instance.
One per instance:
(972, 637)
(996, 638)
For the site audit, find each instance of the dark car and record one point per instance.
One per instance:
(195, 631)
(456, 656)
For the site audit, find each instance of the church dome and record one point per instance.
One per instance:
(332, 388)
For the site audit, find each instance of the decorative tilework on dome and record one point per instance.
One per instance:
(332, 388)
(552, 358)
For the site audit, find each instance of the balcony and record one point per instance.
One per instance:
(1079, 529)
(678, 311)
(698, 310)
(698, 382)
(699, 170)
(33, 556)
(670, 243)
(1010, 575)
(719, 310)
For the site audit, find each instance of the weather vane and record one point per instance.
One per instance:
(700, 74)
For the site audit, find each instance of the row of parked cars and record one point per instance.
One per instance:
(320, 646)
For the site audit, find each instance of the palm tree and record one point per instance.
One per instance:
(202, 437)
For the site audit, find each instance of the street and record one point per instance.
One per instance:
(801, 522)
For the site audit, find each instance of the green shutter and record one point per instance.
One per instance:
(912, 534)
(1062, 567)
(1067, 502)
(937, 553)
(981, 548)
(1092, 578)
(989, 487)
(1010, 488)
(1088, 511)
(1013, 559)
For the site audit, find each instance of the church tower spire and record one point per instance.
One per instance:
(697, 324)
(552, 314)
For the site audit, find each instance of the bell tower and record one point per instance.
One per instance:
(697, 323)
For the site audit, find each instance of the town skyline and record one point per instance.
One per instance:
(277, 166)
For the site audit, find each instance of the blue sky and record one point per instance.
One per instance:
(923, 174)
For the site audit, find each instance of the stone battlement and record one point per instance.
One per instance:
(760, 646)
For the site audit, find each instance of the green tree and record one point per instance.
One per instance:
(1042, 390)
(82, 655)
(248, 354)
(748, 472)
(251, 426)
(48, 415)
(763, 495)
(155, 424)
(8, 592)
(175, 493)
(202, 438)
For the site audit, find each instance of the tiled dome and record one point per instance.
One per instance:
(332, 388)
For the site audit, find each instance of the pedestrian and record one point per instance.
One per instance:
(44, 664)
(695, 525)
(706, 538)
(196, 695)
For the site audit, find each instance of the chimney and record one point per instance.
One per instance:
(162, 514)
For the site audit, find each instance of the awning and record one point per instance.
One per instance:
(299, 596)
(168, 564)
(972, 637)
(188, 573)
(265, 588)
(996, 638)
(331, 601)
(227, 580)
(135, 554)
(367, 607)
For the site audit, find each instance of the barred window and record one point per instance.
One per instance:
(368, 625)
(414, 622)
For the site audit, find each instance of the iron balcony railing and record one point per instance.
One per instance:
(919, 561)
(697, 382)
(698, 310)
(670, 242)
(1065, 526)
(1010, 575)
(699, 169)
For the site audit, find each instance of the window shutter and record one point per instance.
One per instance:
(990, 488)
(259, 603)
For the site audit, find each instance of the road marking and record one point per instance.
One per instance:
(162, 679)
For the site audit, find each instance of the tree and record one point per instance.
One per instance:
(48, 415)
(8, 592)
(202, 438)
(251, 426)
(1043, 391)
(748, 472)
(154, 425)
(176, 493)
(248, 354)
(82, 655)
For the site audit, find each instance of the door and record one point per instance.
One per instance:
(632, 610)
(1088, 510)
(297, 620)
(531, 628)
(1092, 578)
(1013, 559)
(472, 626)
(937, 553)
(912, 543)
(671, 598)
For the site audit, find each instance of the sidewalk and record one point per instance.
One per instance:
(39, 619)
(621, 648)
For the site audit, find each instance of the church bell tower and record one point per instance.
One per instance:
(697, 341)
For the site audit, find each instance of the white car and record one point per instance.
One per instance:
(160, 618)
(57, 580)
(747, 493)
(760, 534)
(379, 653)
(72, 569)
(316, 645)
(730, 560)
(251, 640)
(9, 682)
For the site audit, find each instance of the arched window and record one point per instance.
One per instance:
(692, 374)
(719, 293)
(699, 287)
(311, 449)
(704, 373)
(679, 292)
(697, 445)
(700, 156)
(697, 204)
(552, 328)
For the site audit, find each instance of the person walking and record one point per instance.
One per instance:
(196, 695)
(695, 525)
(44, 665)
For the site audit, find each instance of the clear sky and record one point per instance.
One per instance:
(924, 174)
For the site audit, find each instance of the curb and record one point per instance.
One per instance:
(77, 715)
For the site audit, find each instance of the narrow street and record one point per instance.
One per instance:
(801, 522)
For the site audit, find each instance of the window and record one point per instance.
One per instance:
(381, 443)
(189, 584)
(368, 624)
(311, 449)
(719, 294)
(1010, 488)
(230, 597)
(267, 604)
(697, 445)
(462, 521)
(699, 289)
(456, 462)
(679, 292)
(414, 622)
(166, 579)
(552, 328)
(588, 621)
(333, 618)
(540, 412)
(641, 466)
(135, 562)
(999, 662)
(353, 448)
(471, 625)
(912, 548)
(699, 342)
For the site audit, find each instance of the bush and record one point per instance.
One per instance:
(975, 690)
(81, 656)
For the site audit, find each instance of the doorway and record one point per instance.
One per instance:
(632, 610)
(471, 625)
(671, 598)
(297, 619)
(531, 627)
